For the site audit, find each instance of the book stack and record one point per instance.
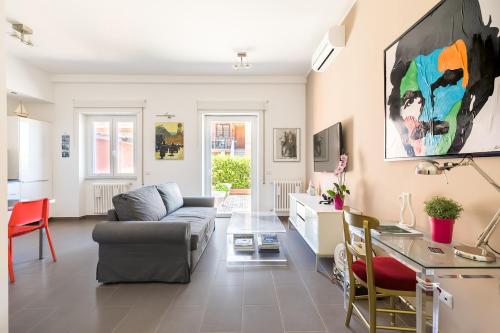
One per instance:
(268, 243)
(243, 242)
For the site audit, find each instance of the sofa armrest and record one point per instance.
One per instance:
(199, 201)
(141, 232)
(112, 216)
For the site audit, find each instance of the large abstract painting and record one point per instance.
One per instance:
(442, 85)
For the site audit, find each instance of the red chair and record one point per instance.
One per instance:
(27, 217)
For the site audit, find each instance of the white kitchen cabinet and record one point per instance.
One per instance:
(29, 156)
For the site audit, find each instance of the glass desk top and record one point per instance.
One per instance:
(416, 249)
(255, 222)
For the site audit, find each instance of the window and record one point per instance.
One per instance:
(111, 147)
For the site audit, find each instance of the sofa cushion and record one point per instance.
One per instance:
(171, 196)
(196, 212)
(199, 218)
(198, 227)
(143, 204)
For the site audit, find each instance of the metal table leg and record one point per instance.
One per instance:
(426, 286)
(40, 243)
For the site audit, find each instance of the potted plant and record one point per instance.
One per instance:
(442, 213)
(338, 193)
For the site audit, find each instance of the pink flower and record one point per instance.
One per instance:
(342, 165)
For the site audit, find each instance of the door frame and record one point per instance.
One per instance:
(254, 119)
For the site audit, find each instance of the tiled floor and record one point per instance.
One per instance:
(64, 296)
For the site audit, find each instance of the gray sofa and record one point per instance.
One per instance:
(153, 234)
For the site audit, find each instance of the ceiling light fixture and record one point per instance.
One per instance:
(22, 32)
(243, 63)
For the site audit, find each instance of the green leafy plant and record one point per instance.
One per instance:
(222, 187)
(233, 170)
(443, 208)
(340, 190)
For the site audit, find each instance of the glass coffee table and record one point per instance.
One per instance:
(256, 224)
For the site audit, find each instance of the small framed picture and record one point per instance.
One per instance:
(286, 145)
(65, 146)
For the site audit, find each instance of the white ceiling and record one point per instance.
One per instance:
(183, 37)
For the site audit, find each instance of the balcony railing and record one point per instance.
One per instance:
(223, 143)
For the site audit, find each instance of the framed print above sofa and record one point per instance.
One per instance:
(442, 84)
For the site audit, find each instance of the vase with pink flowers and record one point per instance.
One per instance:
(340, 190)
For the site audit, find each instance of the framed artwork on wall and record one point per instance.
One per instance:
(286, 145)
(442, 84)
(169, 143)
(65, 145)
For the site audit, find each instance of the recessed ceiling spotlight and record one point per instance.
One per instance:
(22, 32)
(243, 62)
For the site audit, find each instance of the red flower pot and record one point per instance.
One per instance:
(441, 230)
(338, 202)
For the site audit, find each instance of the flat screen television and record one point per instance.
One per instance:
(328, 147)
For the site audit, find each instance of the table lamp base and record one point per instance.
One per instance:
(474, 253)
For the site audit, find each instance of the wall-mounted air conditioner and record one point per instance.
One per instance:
(329, 48)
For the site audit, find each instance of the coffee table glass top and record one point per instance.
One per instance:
(255, 222)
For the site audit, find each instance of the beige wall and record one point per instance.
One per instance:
(352, 92)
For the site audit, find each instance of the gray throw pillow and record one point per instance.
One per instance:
(171, 196)
(143, 204)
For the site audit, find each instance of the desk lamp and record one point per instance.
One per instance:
(479, 252)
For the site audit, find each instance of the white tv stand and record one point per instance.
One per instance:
(319, 225)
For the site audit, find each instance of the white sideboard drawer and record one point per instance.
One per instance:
(300, 224)
(319, 225)
(301, 210)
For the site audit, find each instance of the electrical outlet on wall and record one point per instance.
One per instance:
(446, 298)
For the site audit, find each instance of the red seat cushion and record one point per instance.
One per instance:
(389, 274)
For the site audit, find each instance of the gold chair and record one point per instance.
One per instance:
(382, 276)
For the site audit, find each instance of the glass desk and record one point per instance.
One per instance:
(254, 223)
(414, 252)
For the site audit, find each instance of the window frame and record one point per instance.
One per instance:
(113, 120)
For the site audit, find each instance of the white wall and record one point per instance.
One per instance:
(4, 298)
(286, 108)
(27, 80)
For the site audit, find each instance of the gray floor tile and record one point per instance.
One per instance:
(127, 294)
(181, 320)
(293, 295)
(261, 276)
(321, 289)
(258, 319)
(223, 312)
(103, 320)
(65, 297)
(64, 319)
(228, 276)
(334, 316)
(192, 295)
(26, 319)
(255, 294)
(301, 318)
(286, 275)
(144, 319)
